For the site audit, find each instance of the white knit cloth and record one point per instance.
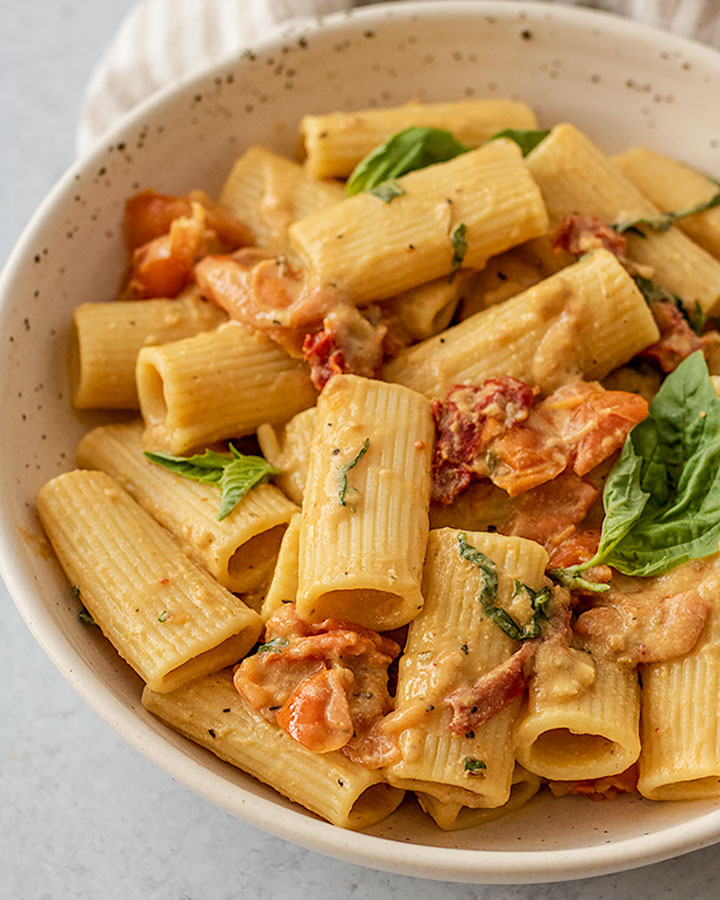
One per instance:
(161, 41)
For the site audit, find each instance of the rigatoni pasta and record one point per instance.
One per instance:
(210, 712)
(551, 333)
(672, 185)
(277, 561)
(374, 250)
(575, 177)
(165, 616)
(217, 385)
(365, 506)
(451, 645)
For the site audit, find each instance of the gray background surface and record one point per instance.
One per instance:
(82, 814)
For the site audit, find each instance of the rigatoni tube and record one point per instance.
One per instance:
(270, 192)
(680, 757)
(584, 321)
(217, 385)
(165, 616)
(365, 509)
(211, 713)
(450, 645)
(372, 250)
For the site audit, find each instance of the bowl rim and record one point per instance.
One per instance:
(296, 826)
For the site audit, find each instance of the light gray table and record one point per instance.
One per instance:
(82, 815)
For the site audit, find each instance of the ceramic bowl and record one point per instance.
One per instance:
(620, 82)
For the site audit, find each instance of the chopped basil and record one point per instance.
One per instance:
(387, 191)
(408, 150)
(345, 469)
(489, 589)
(234, 472)
(474, 766)
(488, 594)
(526, 139)
(459, 246)
(273, 646)
(665, 220)
(84, 616)
(662, 496)
(163, 616)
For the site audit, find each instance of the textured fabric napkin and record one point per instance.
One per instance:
(161, 41)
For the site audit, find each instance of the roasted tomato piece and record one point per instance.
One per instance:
(466, 423)
(580, 234)
(324, 683)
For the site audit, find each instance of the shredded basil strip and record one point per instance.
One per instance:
(489, 591)
(345, 469)
(526, 139)
(459, 246)
(667, 219)
(662, 496)
(408, 150)
(273, 646)
(235, 473)
(474, 766)
(653, 293)
(387, 191)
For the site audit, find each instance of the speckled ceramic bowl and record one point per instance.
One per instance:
(620, 82)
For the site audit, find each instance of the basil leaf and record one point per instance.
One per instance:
(408, 150)
(387, 191)
(234, 473)
(207, 466)
(666, 220)
(526, 139)
(474, 766)
(489, 590)
(459, 245)
(239, 476)
(662, 497)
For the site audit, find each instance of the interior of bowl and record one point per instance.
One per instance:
(621, 83)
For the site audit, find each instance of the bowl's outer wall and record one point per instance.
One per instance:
(621, 83)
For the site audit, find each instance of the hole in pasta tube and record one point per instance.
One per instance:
(379, 610)
(373, 805)
(561, 754)
(151, 389)
(702, 788)
(253, 562)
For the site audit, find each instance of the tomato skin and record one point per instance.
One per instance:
(317, 713)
